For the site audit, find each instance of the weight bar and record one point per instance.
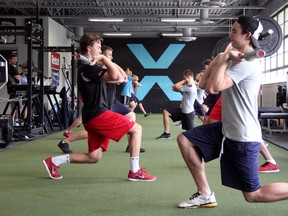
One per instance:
(269, 40)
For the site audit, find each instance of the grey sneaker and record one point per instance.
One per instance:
(164, 136)
(199, 200)
(64, 147)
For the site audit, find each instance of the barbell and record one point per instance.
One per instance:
(269, 40)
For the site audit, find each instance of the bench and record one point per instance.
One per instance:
(268, 117)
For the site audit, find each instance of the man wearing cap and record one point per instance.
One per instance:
(237, 139)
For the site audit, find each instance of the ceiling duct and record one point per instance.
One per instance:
(204, 14)
(213, 3)
(187, 35)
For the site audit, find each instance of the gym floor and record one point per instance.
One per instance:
(103, 189)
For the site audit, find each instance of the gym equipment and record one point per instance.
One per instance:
(249, 56)
(270, 39)
(3, 71)
(83, 59)
(6, 130)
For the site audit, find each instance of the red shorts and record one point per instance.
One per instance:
(108, 125)
(216, 112)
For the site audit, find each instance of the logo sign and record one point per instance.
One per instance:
(55, 61)
(164, 83)
(165, 60)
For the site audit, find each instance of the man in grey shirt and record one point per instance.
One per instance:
(237, 139)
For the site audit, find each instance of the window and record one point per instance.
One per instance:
(274, 67)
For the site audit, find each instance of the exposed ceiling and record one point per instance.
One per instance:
(142, 18)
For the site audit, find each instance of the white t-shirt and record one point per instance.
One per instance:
(188, 98)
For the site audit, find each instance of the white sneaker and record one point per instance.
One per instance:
(199, 200)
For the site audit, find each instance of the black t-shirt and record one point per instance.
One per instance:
(111, 94)
(93, 91)
(12, 71)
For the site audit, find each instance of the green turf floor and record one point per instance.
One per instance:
(103, 189)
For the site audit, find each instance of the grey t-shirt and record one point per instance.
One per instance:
(188, 98)
(240, 102)
(200, 95)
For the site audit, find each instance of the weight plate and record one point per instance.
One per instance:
(221, 45)
(271, 43)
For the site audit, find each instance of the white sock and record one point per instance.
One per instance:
(134, 164)
(272, 161)
(62, 159)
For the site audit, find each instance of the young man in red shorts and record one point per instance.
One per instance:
(100, 123)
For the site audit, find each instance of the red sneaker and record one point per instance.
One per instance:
(67, 134)
(52, 169)
(140, 175)
(268, 168)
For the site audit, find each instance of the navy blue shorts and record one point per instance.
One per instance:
(120, 108)
(239, 161)
(198, 109)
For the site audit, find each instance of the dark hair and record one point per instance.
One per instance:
(206, 62)
(188, 72)
(126, 68)
(105, 48)
(12, 55)
(88, 39)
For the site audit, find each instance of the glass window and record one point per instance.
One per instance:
(268, 67)
(281, 18)
(286, 58)
(273, 61)
(280, 60)
(285, 31)
(273, 76)
(274, 67)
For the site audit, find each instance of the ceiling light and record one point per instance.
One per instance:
(186, 39)
(213, 3)
(177, 20)
(172, 34)
(117, 34)
(106, 19)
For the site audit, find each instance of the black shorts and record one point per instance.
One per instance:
(186, 119)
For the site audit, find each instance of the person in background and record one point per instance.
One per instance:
(14, 78)
(199, 98)
(185, 113)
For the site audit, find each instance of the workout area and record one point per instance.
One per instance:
(144, 107)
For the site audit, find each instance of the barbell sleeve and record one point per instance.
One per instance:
(265, 34)
(83, 59)
(251, 55)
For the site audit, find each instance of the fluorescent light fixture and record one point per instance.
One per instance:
(172, 34)
(117, 34)
(177, 20)
(106, 19)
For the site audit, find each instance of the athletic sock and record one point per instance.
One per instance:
(271, 161)
(62, 159)
(134, 164)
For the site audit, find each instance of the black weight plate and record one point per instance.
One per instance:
(271, 43)
(221, 45)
